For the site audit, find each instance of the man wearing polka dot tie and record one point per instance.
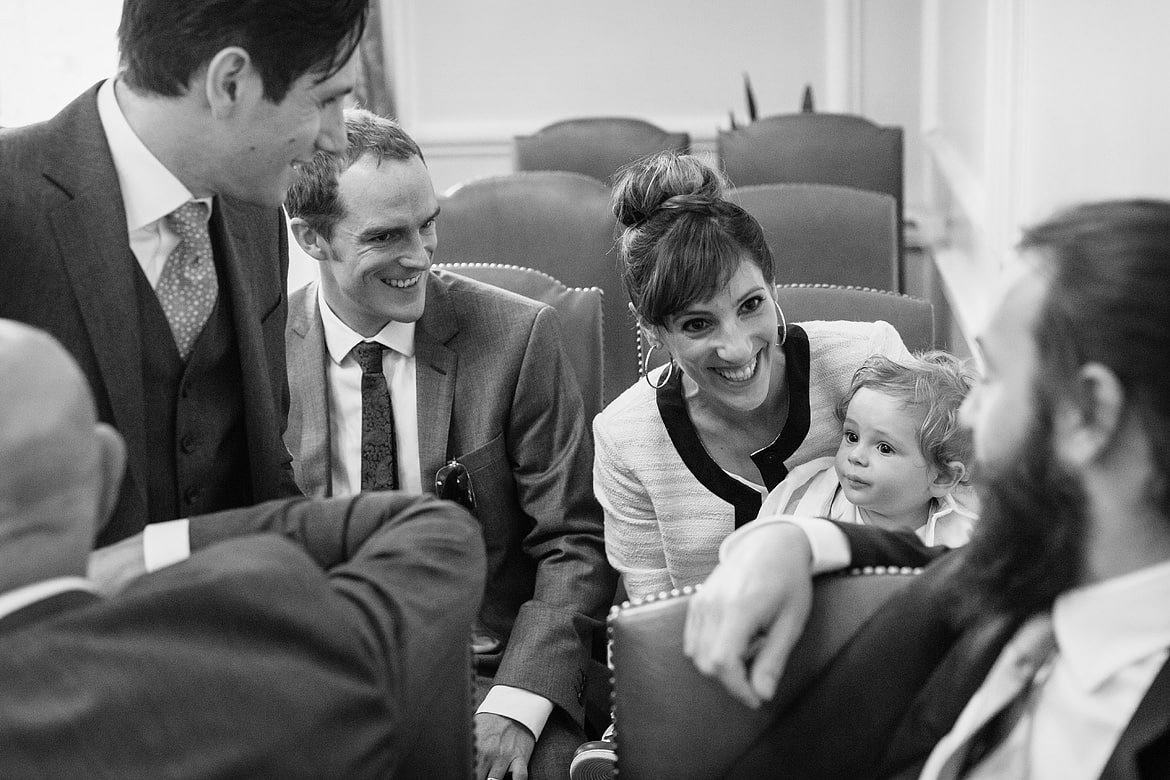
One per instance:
(142, 228)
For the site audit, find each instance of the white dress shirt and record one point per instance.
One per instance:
(1112, 639)
(19, 598)
(345, 401)
(149, 190)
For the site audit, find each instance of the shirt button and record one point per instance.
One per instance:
(188, 444)
(192, 494)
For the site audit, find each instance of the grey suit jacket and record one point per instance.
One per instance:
(495, 390)
(63, 255)
(343, 655)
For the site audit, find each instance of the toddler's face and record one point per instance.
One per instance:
(879, 463)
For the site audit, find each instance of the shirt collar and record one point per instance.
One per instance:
(1104, 627)
(149, 190)
(20, 598)
(340, 339)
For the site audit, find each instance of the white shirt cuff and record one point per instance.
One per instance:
(830, 547)
(165, 543)
(525, 707)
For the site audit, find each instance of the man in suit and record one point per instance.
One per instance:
(309, 639)
(141, 227)
(1041, 648)
(478, 382)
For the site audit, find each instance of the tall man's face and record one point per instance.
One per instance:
(376, 262)
(264, 142)
(1027, 546)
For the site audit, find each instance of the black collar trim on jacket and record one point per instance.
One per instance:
(770, 460)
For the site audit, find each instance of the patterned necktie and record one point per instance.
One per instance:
(187, 287)
(379, 451)
(992, 751)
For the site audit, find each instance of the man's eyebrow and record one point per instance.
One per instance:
(380, 230)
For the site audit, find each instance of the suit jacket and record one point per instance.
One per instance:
(63, 258)
(897, 689)
(495, 390)
(258, 657)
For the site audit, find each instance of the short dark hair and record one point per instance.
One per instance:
(1108, 302)
(933, 383)
(165, 42)
(313, 195)
(682, 240)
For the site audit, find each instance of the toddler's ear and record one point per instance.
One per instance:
(948, 478)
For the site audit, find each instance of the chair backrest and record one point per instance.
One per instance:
(816, 148)
(594, 146)
(579, 310)
(912, 317)
(556, 222)
(674, 722)
(827, 233)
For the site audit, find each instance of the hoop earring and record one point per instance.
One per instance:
(783, 324)
(646, 369)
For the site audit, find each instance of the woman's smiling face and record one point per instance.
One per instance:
(726, 344)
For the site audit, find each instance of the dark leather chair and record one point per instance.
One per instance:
(556, 222)
(912, 317)
(817, 148)
(578, 308)
(825, 233)
(594, 146)
(674, 722)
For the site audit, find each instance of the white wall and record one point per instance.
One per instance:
(471, 75)
(1030, 105)
(51, 51)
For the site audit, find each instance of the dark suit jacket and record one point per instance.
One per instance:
(257, 658)
(897, 689)
(495, 390)
(63, 254)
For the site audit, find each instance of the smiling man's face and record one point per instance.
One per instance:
(378, 256)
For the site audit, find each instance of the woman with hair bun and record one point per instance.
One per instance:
(686, 456)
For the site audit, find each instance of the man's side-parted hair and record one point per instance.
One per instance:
(1108, 302)
(313, 195)
(933, 384)
(164, 43)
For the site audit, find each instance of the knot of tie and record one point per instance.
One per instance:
(189, 222)
(368, 354)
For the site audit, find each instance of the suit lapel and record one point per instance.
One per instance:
(243, 260)
(944, 695)
(90, 231)
(436, 365)
(308, 432)
(1149, 725)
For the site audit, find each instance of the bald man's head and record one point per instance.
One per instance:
(54, 458)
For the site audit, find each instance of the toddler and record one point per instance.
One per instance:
(902, 460)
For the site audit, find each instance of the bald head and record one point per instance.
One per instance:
(53, 465)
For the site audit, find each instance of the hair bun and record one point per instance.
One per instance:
(664, 180)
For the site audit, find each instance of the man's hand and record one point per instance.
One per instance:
(502, 746)
(751, 610)
(114, 567)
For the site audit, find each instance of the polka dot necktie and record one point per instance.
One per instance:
(187, 287)
(379, 450)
